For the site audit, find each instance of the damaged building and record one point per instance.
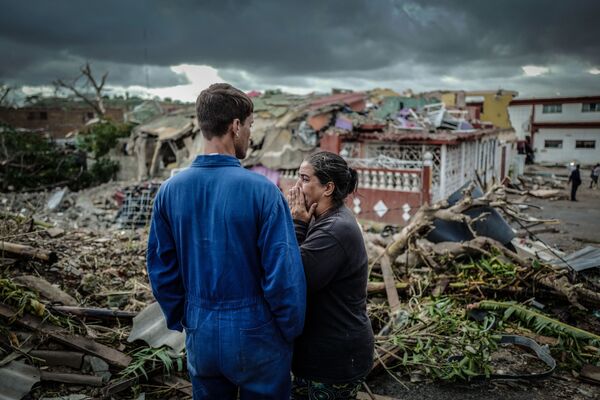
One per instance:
(408, 150)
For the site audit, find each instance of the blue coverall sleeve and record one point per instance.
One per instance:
(284, 283)
(163, 269)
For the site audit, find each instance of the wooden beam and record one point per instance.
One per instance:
(76, 379)
(110, 355)
(390, 283)
(28, 251)
(93, 312)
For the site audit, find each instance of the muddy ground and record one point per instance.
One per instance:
(579, 227)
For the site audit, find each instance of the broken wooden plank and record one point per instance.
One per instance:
(110, 355)
(71, 359)
(46, 289)
(390, 283)
(374, 287)
(29, 252)
(93, 312)
(76, 379)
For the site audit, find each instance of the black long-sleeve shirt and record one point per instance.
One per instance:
(575, 177)
(336, 345)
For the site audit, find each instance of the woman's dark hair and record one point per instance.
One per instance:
(218, 106)
(330, 167)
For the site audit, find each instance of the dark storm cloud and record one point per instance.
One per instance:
(34, 65)
(275, 39)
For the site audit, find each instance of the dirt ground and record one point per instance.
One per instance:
(561, 386)
(579, 227)
(580, 220)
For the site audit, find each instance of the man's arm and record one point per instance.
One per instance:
(163, 268)
(284, 284)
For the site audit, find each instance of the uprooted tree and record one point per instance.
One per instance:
(461, 296)
(81, 85)
(411, 248)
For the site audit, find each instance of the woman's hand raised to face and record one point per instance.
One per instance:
(298, 206)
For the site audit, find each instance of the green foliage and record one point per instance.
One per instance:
(148, 358)
(29, 160)
(580, 345)
(438, 330)
(100, 138)
(27, 301)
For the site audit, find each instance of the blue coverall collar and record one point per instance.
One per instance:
(216, 160)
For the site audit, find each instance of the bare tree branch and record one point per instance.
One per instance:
(96, 102)
(4, 90)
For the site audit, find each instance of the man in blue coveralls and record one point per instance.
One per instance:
(224, 263)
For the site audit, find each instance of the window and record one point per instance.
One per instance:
(30, 115)
(43, 114)
(590, 107)
(552, 108)
(553, 144)
(585, 144)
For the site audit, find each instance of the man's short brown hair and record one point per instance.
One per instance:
(218, 106)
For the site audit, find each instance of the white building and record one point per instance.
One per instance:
(561, 129)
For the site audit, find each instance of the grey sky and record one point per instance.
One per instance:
(308, 45)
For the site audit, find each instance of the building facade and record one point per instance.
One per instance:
(560, 130)
(400, 171)
(55, 121)
(489, 106)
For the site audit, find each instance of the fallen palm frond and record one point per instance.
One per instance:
(539, 322)
(577, 345)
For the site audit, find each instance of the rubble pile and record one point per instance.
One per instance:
(445, 308)
(94, 207)
(80, 305)
(544, 186)
(451, 297)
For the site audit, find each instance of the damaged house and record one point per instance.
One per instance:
(165, 141)
(407, 150)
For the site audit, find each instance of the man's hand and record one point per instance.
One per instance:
(298, 206)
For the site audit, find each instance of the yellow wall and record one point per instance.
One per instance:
(449, 99)
(495, 107)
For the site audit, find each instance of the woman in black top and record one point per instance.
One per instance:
(335, 351)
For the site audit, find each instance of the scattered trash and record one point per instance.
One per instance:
(56, 198)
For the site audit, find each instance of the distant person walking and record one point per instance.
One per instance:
(575, 181)
(594, 175)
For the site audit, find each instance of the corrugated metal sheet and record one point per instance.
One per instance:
(17, 379)
(151, 327)
(586, 258)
